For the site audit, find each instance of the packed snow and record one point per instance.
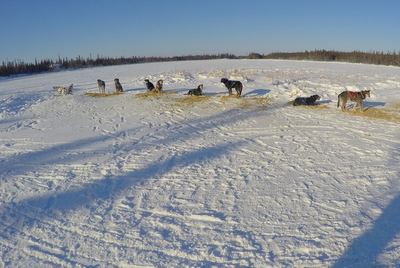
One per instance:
(171, 180)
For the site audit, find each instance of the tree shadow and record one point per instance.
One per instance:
(20, 216)
(110, 186)
(114, 185)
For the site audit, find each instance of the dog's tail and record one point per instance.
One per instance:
(240, 89)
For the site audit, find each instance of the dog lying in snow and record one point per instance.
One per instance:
(306, 101)
(102, 86)
(63, 90)
(237, 85)
(196, 91)
(118, 86)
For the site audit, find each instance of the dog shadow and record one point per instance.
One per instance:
(368, 104)
(257, 92)
(323, 102)
(214, 93)
(135, 89)
(365, 104)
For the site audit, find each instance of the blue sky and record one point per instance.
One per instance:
(42, 29)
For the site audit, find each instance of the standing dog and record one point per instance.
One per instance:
(159, 86)
(306, 101)
(102, 86)
(63, 90)
(149, 85)
(196, 91)
(356, 97)
(237, 85)
(118, 86)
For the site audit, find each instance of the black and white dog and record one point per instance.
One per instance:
(306, 101)
(118, 86)
(237, 85)
(102, 86)
(196, 91)
(149, 85)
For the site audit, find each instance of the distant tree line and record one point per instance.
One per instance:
(19, 67)
(377, 58)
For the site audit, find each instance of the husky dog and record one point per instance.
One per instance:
(102, 86)
(306, 101)
(63, 90)
(159, 86)
(149, 85)
(196, 91)
(118, 86)
(356, 97)
(237, 85)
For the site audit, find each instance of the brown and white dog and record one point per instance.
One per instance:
(118, 86)
(159, 86)
(102, 86)
(237, 85)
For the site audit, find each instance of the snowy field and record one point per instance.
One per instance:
(170, 180)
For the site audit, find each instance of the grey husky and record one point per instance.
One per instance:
(357, 97)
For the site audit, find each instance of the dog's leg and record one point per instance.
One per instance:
(238, 91)
(361, 108)
(344, 105)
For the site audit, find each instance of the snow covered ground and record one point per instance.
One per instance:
(139, 180)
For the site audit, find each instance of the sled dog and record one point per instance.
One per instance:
(356, 97)
(306, 101)
(196, 91)
(102, 86)
(63, 90)
(159, 86)
(118, 86)
(237, 85)
(149, 85)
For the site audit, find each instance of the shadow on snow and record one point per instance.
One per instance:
(364, 251)
(34, 210)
